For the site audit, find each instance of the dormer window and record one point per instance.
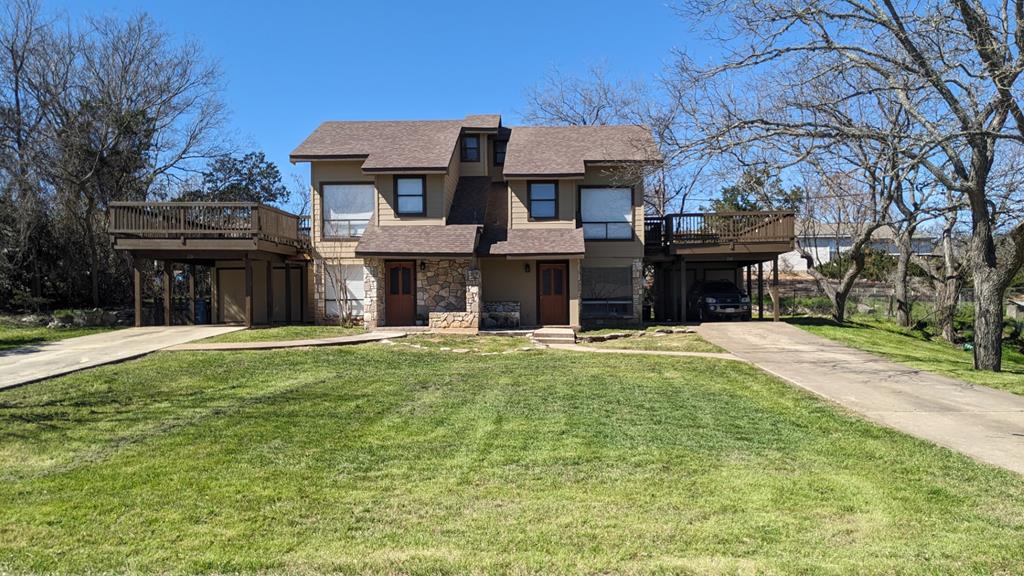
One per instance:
(470, 148)
(410, 195)
(499, 152)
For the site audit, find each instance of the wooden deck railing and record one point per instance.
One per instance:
(717, 228)
(203, 220)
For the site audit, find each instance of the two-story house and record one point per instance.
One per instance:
(452, 225)
(461, 224)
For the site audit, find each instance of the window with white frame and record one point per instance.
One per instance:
(347, 209)
(343, 290)
(606, 292)
(606, 213)
(410, 195)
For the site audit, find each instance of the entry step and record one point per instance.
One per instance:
(554, 336)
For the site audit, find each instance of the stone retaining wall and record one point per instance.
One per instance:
(501, 315)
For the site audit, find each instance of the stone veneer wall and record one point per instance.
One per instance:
(373, 293)
(447, 294)
(441, 286)
(467, 319)
(638, 289)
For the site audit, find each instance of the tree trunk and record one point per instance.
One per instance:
(988, 319)
(900, 288)
(839, 305)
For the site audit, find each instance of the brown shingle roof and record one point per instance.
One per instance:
(423, 240)
(482, 121)
(386, 145)
(532, 242)
(564, 150)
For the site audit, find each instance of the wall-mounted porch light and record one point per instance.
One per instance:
(423, 265)
(526, 267)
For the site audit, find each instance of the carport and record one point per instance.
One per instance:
(247, 260)
(683, 249)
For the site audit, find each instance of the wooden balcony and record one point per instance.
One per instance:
(737, 235)
(205, 229)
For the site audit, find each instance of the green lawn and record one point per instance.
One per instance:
(292, 332)
(14, 335)
(917, 350)
(480, 344)
(664, 342)
(395, 460)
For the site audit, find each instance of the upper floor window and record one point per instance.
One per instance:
(606, 213)
(499, 152)
(347, 209)
(470, 148)
(410, 195)
(543, 200)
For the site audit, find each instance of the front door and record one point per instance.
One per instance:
(553, 293)
(400, 294)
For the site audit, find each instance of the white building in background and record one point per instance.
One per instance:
(826, 241)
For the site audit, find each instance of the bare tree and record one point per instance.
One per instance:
(955, 67)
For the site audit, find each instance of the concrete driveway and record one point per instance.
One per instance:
(983, 423)
(31, 363)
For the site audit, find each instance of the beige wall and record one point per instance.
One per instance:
(475, 168)
(323, 171)
(507, 281)
(435, 202)
(519, 212)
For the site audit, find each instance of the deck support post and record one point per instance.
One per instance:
(287, 292)
(760, 290)
(248, 291)
(776, 313)
(750, 281)
(137, 277)
(192, 293)
(270, 293)
(682, 289)
(167, 279)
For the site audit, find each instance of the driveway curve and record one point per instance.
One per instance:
(32, 363)
(983, 423)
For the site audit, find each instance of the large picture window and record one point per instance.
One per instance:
(410, 195)
(347, 209)
(606, 293)
(543, 200)
(606, 213)
(343, 290)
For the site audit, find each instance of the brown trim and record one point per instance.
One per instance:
(568, 268)
(320, 191)
(525, 176)
(463, 148)
(579, 212)
(407, 169)
(394, 194)
(529, 201)
(314, 157)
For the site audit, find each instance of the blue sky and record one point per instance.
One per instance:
(290, 65)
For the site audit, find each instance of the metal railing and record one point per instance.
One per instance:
(716, 228)
(203, 220)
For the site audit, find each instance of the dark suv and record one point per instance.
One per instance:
(718, 299)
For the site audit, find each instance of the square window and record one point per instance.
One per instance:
(543, 200)
(410, 192)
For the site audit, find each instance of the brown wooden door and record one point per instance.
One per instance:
(400, 294)
(553, 293)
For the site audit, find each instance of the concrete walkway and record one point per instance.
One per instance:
(983, 423)
(38, 362)
(580, 348)
(271, 345)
